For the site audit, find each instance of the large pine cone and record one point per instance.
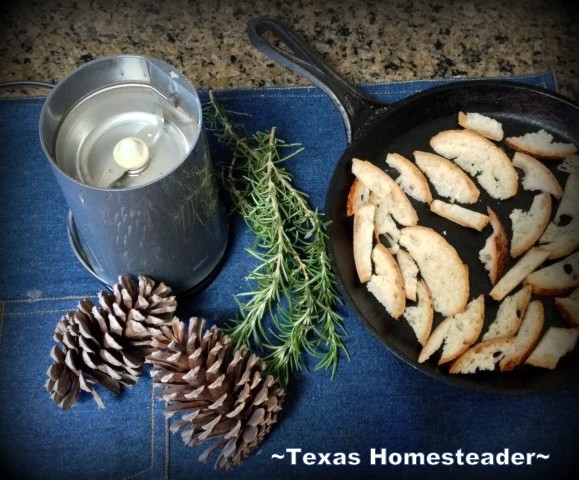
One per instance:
(220, 393)
(107, 344)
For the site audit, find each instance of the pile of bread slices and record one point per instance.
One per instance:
(414, 271)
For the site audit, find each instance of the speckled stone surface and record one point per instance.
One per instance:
(365, 40)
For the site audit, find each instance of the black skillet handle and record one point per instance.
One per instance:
(354, 106)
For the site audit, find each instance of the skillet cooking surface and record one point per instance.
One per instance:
(408, 126)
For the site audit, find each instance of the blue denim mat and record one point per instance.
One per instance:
(375, 401)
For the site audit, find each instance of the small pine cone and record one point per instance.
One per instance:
(142, 310)
(220, 393)
(107, 344)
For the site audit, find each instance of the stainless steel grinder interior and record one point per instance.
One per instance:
(124, 136)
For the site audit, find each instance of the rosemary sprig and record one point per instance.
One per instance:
(292, 309)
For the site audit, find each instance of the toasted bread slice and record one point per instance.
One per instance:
(441, 267)
(411, 179)
(435, 340)
(457, 332)
(526, 264)
(556, 343)
(464, 330)
(528, 226)
(537, 176)
(568, 307)
(481, 124)
(363, 240)
(509, 315)
(495, 253)
(409, 271)
(448, 180)
(556, 279)
(481, 158)
(389, 192)
(527, 337)
(569, 164)
(384, 224)
(482, 356)
(460, 215)
(562, 235)
(420, 316)
(540, 145)
(358, 194)
(387, 284)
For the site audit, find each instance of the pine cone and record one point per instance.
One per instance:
(107, 344)
(220, 393)
(142, 310)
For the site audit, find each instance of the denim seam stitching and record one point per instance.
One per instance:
(152, 439)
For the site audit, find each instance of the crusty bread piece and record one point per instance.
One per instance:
(460, 215)
(448, 180)
(384, 224)
(495, 253)
(464, 330)
(456, 333)
(509, 315)
(556, 279)
(556, 343)
(409, 271)
(528, 226)
(411, 179)
(358, 194)
(537, 176)
(540, 145)
(481, 124)
(387, 284)
(527, 337)
(527, 263)
(435, 339)
(389, 192)
(569, 164)
(421, 315)
(568, 307)
(562, 235)
(482, 356)
(363, 240)
(441, 267)
(481, 158)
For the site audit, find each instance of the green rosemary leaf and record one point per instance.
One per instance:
(290, 312)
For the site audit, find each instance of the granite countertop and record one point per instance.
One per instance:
(365, 40)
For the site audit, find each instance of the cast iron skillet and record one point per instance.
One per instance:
(374, 129)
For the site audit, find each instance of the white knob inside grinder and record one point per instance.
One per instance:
(131, 153)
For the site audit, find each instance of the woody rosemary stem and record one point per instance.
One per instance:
(290, 311)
